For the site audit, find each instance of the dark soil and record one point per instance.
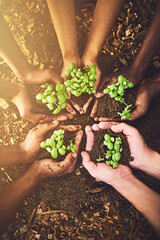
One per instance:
(99, 149)
(77, 206)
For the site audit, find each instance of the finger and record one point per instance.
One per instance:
(99, 94)
(70, 109)
(107, 125)
(90, 138)
(49, 118)
(94, 109)
(96, 127)
(70, 128)
(45, 127)
(123, 127)
(54, 77)
(106, 119)
(138, 112)
(69, 162)
(78, 140)
(97, 81)
(86, 105)
(87, 163)
(77, 107)
(88, 129)
(89, 141)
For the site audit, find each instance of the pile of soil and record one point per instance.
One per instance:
(77, 206)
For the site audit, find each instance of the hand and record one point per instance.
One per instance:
(138, 148)
(130, 74)
(31, 145)
(51, 168)
(24, 104)
(37, 76)
(147, 90)
(100, 170)
(145, 158)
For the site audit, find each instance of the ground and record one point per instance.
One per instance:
(77, 206)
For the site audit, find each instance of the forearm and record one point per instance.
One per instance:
(11, 53)
(105, 16)
(8, 90)
(13, 195)
(63, 16)
(11, 155)
(142, 197)
(151, 165)
(150, 45)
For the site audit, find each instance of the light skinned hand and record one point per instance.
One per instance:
(100, 170)
(138, 148)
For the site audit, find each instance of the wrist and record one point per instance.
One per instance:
(8, 89)
(73, 58)
(38, 170)
(137, 71)
(122, 175)
(151, 164)
(25, 73)
(34, 173)
(89, 58)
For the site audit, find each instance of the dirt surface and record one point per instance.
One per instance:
(77, 206)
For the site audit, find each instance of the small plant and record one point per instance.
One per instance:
(126, 112)
(54, 97)
(81, 80)
(113, 154)
(55, 144)
(116, 91)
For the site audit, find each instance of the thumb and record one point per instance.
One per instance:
(122, 127)
(54, 77)
(48, 126)
(139, 111)
(87, 163)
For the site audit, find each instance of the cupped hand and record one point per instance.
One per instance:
(103, 172)
(148, 89)
(23, 102)
(138, 148)
(100, 170)
(37, 76)
(129, 74)
(31, 145)
(51, 168)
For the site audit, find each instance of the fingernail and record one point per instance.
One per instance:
(55, 122)
(113, 127)
(74, 154)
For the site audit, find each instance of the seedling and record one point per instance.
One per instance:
(55, 144)
(126, 112)
(80, 80)
(116, 91)
(53, 96)
(113, 154)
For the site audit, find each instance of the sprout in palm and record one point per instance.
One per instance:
(80, 80)
(53, 96)
(113, 154)
(55, 144)
(116, 91)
